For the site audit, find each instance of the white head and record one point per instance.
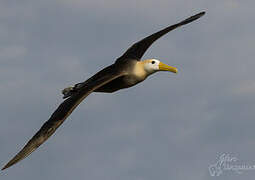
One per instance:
(154, 65)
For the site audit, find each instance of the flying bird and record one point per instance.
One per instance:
(128, 70)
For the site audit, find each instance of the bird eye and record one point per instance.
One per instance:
(152, 62)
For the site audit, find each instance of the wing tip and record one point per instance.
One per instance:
(6, 166)
(27, 150)
(10, 163)
(196, 16)
(192, 18)
(201, 13)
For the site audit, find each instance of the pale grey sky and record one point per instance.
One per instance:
(168, 127)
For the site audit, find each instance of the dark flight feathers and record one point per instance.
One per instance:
(101, 78)
(137, 50)
(63, 111)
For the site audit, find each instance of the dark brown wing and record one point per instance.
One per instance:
(137, 50)
(63, 111)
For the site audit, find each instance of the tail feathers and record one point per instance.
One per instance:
(69, 91)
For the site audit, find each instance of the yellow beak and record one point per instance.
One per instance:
(164, 67)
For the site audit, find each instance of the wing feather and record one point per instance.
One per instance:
(137, 50)
(63, 111)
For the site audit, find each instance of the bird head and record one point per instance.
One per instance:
(154, 65)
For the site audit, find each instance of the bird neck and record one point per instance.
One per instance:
(139, 70)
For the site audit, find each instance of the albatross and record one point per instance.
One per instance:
(128, 70)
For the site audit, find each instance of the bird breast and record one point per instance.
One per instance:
(136, 75)
(138, 71)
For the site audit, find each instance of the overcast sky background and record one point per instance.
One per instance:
(168, 127)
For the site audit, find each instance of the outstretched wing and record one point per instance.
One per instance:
(63, 111)
(138, 49)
